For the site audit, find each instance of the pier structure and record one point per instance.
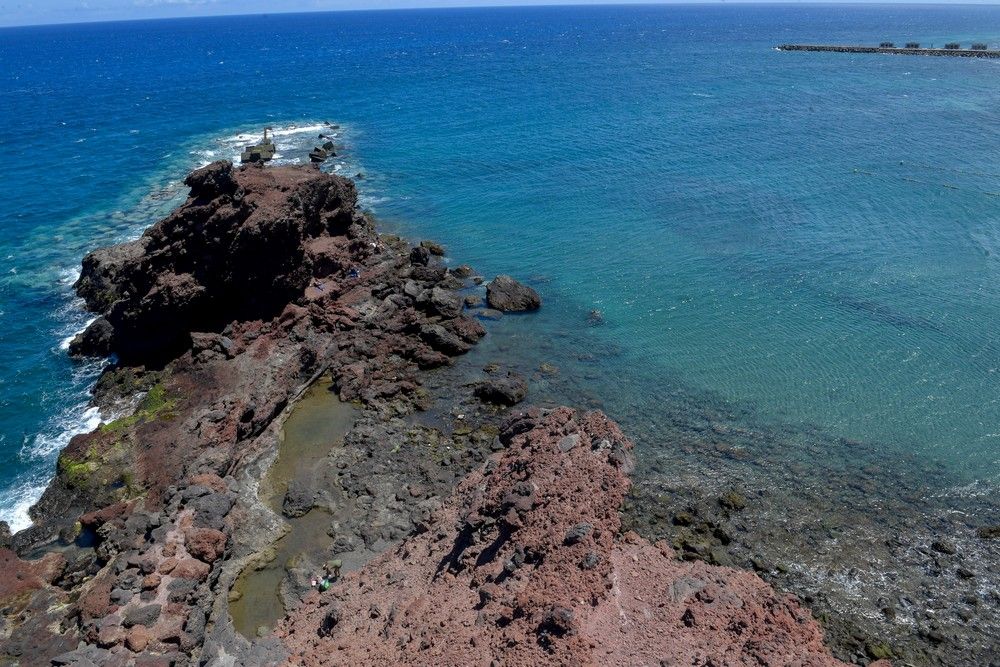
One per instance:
(908, 50)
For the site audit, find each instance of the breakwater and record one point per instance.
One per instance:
(966, 53)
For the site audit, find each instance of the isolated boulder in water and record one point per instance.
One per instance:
(506, 294)
(299, 499)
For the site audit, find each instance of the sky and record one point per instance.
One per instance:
(29, 12)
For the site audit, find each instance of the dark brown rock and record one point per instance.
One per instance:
(507, 295)
(97, 340)
(509, 389)
(236, 249)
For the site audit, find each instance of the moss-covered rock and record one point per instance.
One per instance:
(75, 473)
(879, 651)
(156, 404)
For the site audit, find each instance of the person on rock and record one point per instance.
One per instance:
(331, 572)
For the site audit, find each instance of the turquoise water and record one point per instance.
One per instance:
(811, 239)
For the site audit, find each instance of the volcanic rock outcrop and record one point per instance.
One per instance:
(243, 246)
(221, 314)
(524, 565)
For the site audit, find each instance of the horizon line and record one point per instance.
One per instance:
(515, 4)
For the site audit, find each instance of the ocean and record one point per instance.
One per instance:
(802, 244)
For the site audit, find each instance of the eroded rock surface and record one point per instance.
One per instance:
(524, 565)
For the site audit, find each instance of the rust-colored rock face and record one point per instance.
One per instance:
(22, 577)
(523, 566)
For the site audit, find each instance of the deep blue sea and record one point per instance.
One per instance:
(812, 240)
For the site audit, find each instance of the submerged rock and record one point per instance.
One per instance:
(488, 314)
(298, 500)
(989, 532)
(506, 390)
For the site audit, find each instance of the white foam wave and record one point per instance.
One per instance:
(64, 343)
(70, 275)
(292, 143)
(25, 490)
(976, 489)
(287, 131)
(71, 422)
(15, 503)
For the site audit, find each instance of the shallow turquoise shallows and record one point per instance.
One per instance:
(811, 238)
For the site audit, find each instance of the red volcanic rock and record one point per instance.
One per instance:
(168, 565)
(190, 568)
(95, 602)
(211, 481)
(206, 544)
(99, 517)
(523, 566)
(236, 249)
(23, 576)
(138, 638)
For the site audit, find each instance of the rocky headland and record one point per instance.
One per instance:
(465, 528)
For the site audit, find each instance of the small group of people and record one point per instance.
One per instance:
(331, 572)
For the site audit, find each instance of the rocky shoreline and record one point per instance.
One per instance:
(504, 522)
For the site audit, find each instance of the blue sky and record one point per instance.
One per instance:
(27, 12)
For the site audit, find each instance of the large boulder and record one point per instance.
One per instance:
(97, 340)
(506, 294)
(445, 302)
(443, 340)
(299, 499)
